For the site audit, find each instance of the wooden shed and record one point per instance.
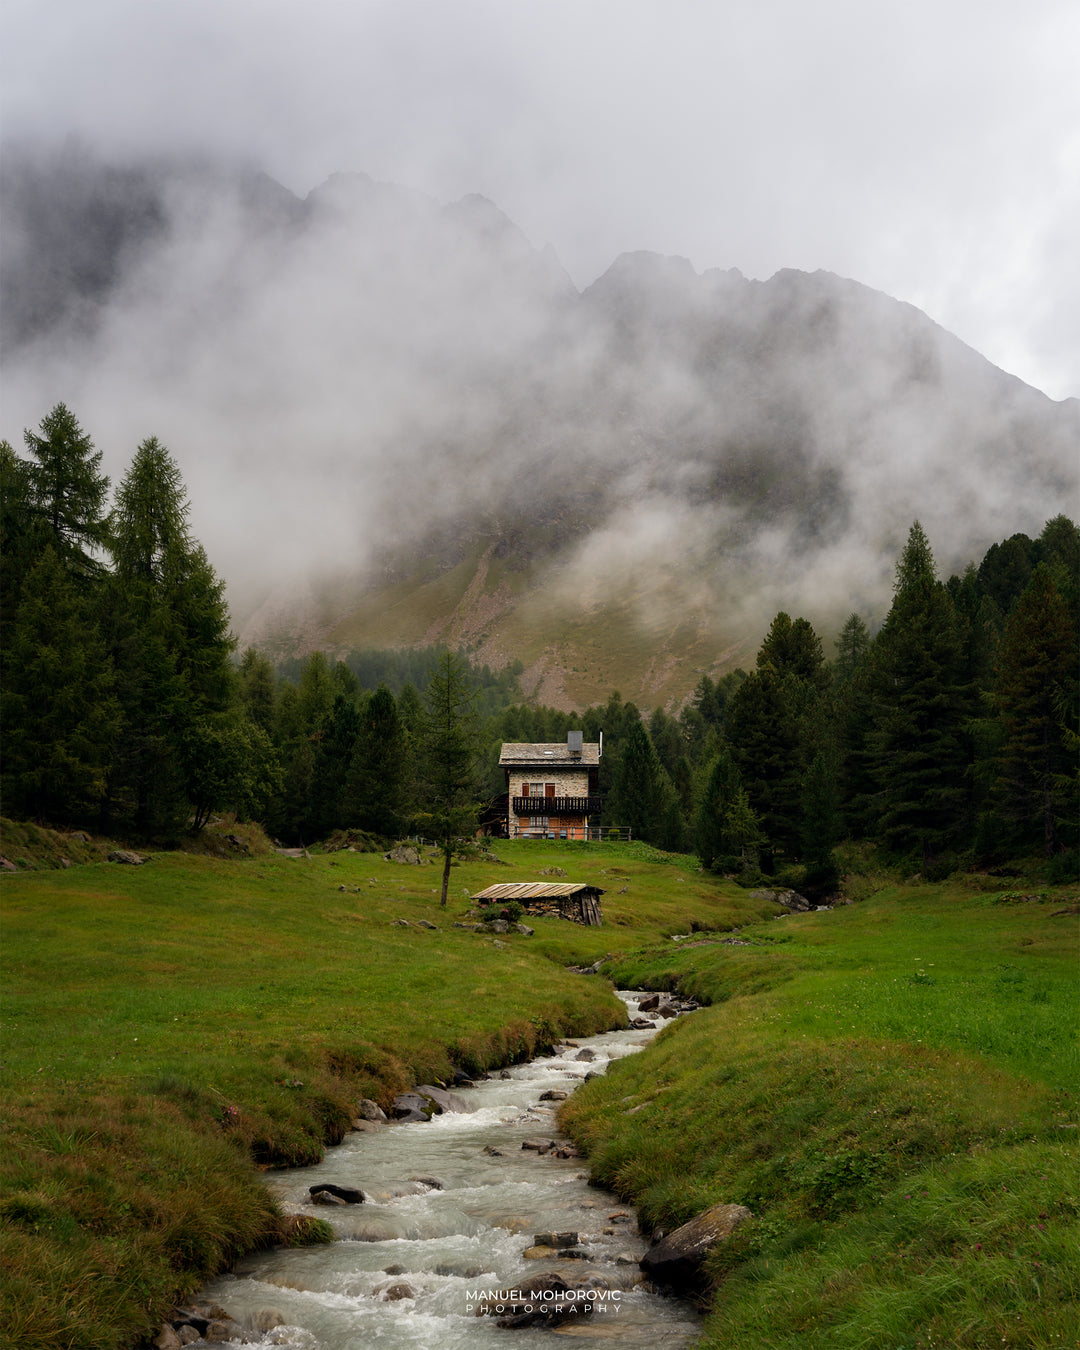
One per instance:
(571, 900)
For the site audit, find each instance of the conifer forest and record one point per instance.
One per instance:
(943, 732)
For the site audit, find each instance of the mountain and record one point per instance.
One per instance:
(400, 422)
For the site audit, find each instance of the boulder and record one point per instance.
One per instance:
(369, 1110)
(538, 1145)
(585, 1056)
(347, 1195)
(404, 853)
(444, 1101)
(394, 1290)
(648, 1004)
(126, 855)
(461, 1270)
(554, 1095)
(168, 1339)
(266, 1319)
(545, 1300)
(223, 1329)
(641, 1024)
(320, 1196)
(553, 871)
(676, 1260)
(524, 929)
(556, 1239)
(782, 896)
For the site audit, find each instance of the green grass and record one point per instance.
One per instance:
(166, 1027)
(890, 1088)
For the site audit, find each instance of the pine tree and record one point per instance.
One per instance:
(919, 743)
(256, 687)
(792, 648)
(67, 491)
(851, 648)
(170, 633)
(1038, 661)
(710, 841)
(22, 536)
(448, 761)
(763, 731)
(641, 791)
(377, 786)
(340, 735)
(59, 709)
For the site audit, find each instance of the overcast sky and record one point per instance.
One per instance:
(929, 148)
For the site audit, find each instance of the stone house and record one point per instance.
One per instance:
(552, 788)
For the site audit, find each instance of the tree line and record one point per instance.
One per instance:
(125, 709)
(950, 732)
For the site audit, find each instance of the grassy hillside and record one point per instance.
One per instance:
(577, 639)
(890, 1088)
(165, 1025)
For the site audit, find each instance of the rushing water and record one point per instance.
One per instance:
(449, 1245)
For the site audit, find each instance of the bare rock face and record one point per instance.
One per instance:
(782, 896)
(676, 1260)
(404, 853)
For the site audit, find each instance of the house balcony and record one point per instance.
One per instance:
(556, 806)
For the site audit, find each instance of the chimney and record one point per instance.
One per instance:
(573, 744)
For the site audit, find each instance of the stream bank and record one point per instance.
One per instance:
(453, 1211)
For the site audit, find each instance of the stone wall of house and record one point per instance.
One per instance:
(568, 782)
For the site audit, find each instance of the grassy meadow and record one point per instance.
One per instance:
(890, 1088)
(166, 1027)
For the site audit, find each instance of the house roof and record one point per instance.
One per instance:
(535, 890)
(529, 754)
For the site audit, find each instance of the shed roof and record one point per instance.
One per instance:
(527, 754)
(534, 890)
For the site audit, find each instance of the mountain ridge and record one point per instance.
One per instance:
(422, 411)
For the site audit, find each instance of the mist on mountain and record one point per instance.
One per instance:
(365, 375)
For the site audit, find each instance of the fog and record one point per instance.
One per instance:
(367, 374)
(931, 150)
(638, 289)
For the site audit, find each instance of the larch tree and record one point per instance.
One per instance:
(67, 491)
(448, 761)
(172, 646)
